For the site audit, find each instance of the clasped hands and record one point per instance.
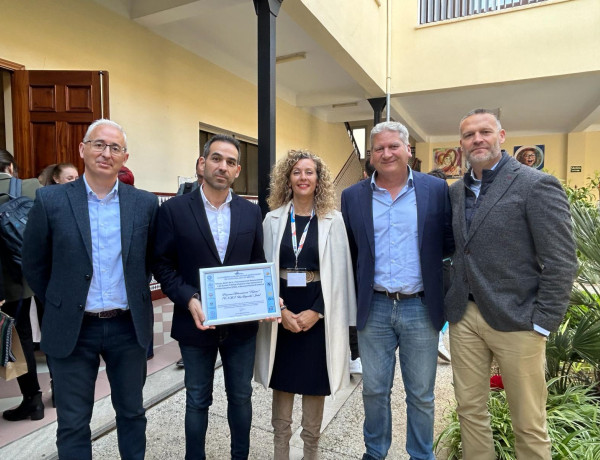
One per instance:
(302, 321)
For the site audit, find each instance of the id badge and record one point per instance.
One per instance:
(296, 278)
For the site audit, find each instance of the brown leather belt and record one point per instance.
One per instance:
(311, 276)
(401, 296)
(106, 314)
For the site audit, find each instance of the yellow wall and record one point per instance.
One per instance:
(358, 29)
(556, 151)
(159, 92)
(583, 150)
(494, 47)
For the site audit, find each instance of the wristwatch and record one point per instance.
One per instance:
(197, 297)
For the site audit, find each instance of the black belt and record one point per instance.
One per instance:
(400, 295)
(106, 314)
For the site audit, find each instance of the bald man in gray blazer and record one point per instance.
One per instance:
(511, 279)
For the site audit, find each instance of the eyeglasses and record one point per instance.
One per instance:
(99, 146)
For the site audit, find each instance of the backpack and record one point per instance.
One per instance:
(187, 187)
(13, 218)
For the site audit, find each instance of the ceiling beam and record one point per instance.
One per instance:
(592, 119)
(328, 98)
(152, 13)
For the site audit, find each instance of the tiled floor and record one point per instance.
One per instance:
(166, 352)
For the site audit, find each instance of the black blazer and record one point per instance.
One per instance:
(57, 260)
(184, 244)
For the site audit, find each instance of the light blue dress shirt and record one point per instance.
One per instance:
(397, 261)
(107, 288)
(219, 220)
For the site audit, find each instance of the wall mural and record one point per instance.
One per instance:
(449, 160)
(530, 155)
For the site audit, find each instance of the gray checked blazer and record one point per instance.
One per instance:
(518, 258)
(57, 260)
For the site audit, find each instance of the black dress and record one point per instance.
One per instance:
(300, 365)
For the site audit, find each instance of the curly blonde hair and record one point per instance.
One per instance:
(281, 192)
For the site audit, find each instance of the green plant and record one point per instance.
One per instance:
(573, 352)
(584, 194)
(573, 426)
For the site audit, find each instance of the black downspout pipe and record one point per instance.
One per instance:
(267, 11)
(378, 104)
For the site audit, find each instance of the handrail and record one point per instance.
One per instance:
(351, 136)
(440, 10)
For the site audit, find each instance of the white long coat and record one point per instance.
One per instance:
(337, 282)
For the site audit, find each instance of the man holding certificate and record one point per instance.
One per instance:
(210, 227)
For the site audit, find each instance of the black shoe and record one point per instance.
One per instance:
(32, 407)
(180, 363)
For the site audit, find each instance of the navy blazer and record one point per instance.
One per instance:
(434, 221)
(184, 244)
(57, 260)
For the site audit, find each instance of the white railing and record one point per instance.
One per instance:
(440, 10)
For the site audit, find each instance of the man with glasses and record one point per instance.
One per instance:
(399, 228)
(86, 254)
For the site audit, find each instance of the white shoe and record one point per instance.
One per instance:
(443, 352)
(355, 366)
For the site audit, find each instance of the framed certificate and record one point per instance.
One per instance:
(239, 293)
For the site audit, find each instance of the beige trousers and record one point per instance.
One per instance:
(521, 357)
(312, 416)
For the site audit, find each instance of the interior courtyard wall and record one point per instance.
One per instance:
(159, 91)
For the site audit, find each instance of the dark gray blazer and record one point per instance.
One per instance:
(518, 257)
(57, 260)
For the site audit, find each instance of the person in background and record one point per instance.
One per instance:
(45, 175)
(17, 298)
(399, 229)
(187, 187)
(86, 253)
(307, 353)
(126, 176)
(64, 172)
(513, 270)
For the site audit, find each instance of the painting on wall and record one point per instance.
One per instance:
(449, 160)
(530, 155)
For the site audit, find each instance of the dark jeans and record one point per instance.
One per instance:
(28, 383)
(75, 376)
(237, 356)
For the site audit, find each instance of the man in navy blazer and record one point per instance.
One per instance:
(210, 227)
(399, 229)
(86, 255)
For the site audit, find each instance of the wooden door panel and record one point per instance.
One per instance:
(42, 99)
(43, 144)
(78, 99)
(52, 110)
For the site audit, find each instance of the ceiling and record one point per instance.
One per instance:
(225, 33)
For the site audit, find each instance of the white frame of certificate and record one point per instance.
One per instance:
(239, 293)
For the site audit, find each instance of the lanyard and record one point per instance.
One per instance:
(297, 248)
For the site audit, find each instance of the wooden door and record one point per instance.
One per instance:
(52, 110)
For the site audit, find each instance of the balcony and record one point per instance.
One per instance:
(441, 10)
